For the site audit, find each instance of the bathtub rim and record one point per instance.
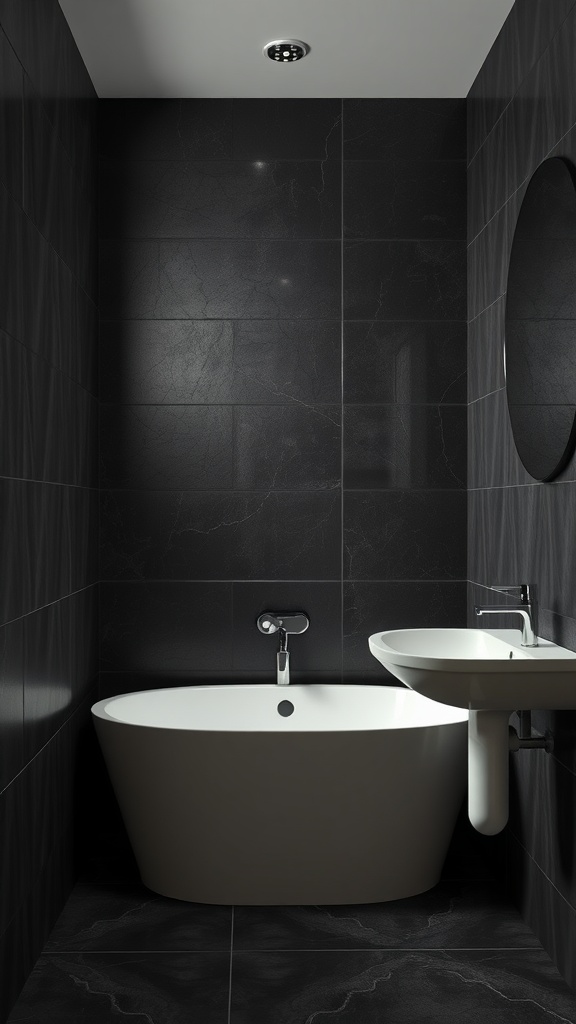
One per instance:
(458, 716)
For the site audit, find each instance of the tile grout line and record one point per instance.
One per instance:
(230, 972)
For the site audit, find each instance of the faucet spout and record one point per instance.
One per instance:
(283, 668)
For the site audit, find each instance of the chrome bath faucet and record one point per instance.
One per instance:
(283, 624)
(527, 608)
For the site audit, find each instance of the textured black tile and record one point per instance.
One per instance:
(11, 86)
(48, 804)
(220, 199)
(404, 199)
(286, 129)
(211, 535)
(524, 37)
(404, 362)
(15, 595)
(97, 987)
(543, 908)
(453, 915)
(374, 607)
(486, 352)
(412, 280)
(487, 276)
(525, 533)
(109, 918)
(11, 702)
(439, 987)
(158, 129)
(405, 535)
(405, 446)
(12, 272)
(284, 447)
(165, 627)
(405, 129)
(204, 362)
(492, 457)
(215, 279)
(542, 789)
(15, 860)
(166, 446)
(61, 646)
(316, 650)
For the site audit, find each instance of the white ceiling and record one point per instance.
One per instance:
(359, 48)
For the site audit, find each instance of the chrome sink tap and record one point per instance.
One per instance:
(283, 624)
(527, 608)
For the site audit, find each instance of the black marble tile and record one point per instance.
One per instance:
(486, 351)
(11, 86)
(11, 702)
(220, 535)
(287, 447)
(164, 129)
(368, 986)
(319, 649)
(405, 535)
(374, 607)
(543, 909)
(165, 627)
(166, 446)
(97, 987)
(287, 129)
(404, 199)
(453, 915)
(215, 279)
(220, 199)
(405, 129)
(405, 446)
(112, 918)
(206, 362)
(404, 362)
(405, 280)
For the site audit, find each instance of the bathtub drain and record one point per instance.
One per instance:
(285, 708)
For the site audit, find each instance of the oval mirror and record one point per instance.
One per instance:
(540, 341)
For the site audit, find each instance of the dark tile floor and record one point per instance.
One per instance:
(457, 953)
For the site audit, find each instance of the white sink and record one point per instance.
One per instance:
(479, 669)
(490, 673)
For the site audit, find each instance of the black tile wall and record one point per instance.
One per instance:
(48, 467)
(283, 375)
(522, 108)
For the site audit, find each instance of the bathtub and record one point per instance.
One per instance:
(230, 796)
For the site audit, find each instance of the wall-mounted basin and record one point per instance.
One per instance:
(479, 669)
(492, 674)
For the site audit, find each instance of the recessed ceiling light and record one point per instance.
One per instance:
(286, 50)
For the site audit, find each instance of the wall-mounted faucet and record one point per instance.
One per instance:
(527, 608)
(283, 624)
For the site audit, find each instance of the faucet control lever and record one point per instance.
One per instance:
(289, 622)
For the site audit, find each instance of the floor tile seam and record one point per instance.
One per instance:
(537, 60)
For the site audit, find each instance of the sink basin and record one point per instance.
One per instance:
(490, 673)
(479, 669)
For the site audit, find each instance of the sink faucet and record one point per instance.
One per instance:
(527, 608)
(283, 624)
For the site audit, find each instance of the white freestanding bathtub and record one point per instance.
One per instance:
(350, 798)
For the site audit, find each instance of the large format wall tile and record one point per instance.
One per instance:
(216, 279)
(220, 535)
(404, 198)
(220, 199)
(11, 98)
(405, 129)
(405, 280)
(203, 362)
(405, 535)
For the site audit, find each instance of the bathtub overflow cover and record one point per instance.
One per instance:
(285, 708)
